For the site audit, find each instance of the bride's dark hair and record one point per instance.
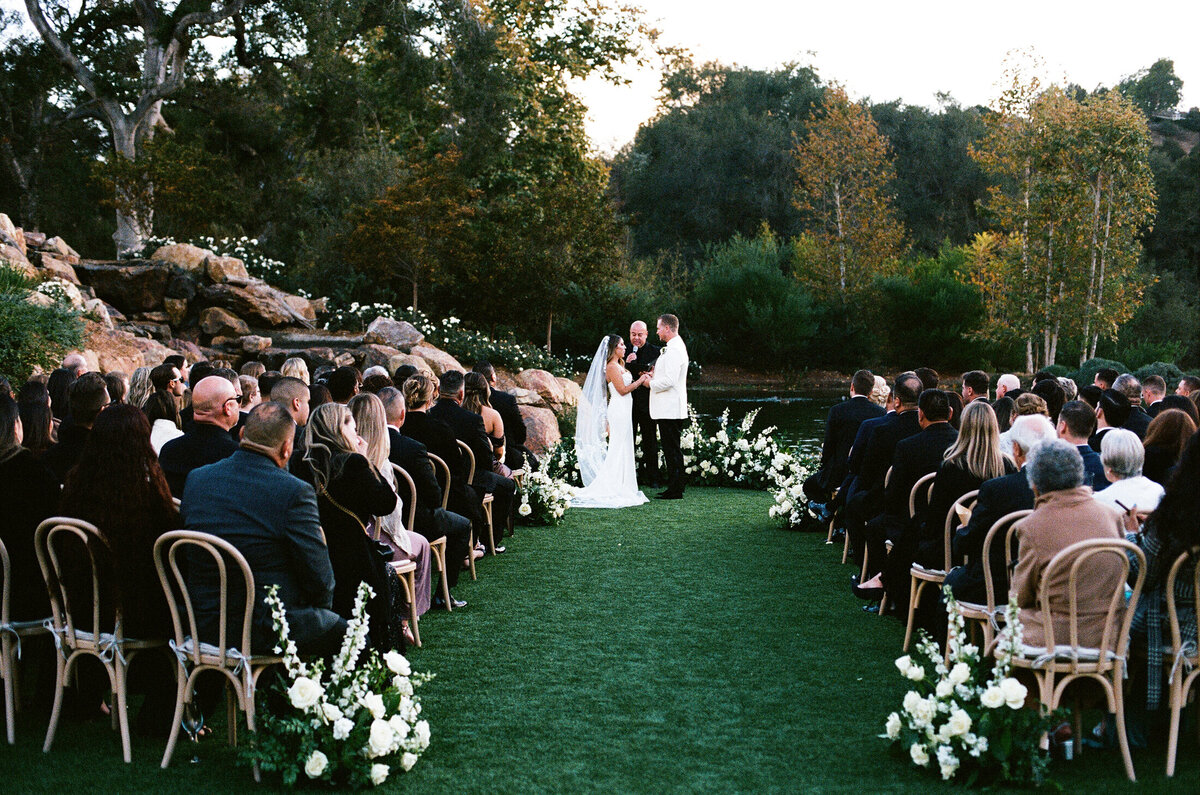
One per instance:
(611, 343)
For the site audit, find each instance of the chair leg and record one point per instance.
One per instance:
(248, 706)
(438, 548)
(409, 582)
(1172, 738)
(59, 684)
(1122, 737)
(490, 541)
(231, 707)
(913, 599)
(883, 603)
(182, 680)
(471, 553)
(122, 708)
(8, 670)
(846, 548)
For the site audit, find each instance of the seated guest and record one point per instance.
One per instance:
(431, 520)
(252, 369)
(318, 395)
(1090, 394)
(516, 456)
(1007, 383)
(1112, 411)
(1027, 403)
(956, 408)
(251, 396)
(75, 364)
(344, 383)
(37, 420)
(929, 377)
(1006, 410)
(468, 428)
(1065, 512)
(59, 385)
(879, 392)
(375, 382)
(1138, 420)
(117, 485)
(974, 386)
(1070, 388)
(1054, 396)
(321, 374)
(997, 498)
(199, 371)
(350, 493)
(215, 404)
(374, 370)
(1154, 389)
(167, 378)
(163, 414)
(251, 501)
(29, 494)
(402, 374)
(139, 387)
(179, 362)
(477, 399)
(88, 397)
(369, 418)
(292, 394)
(1171, 530)
(1076, 421)
(267, 381)
(1183, 404)
(1123, 455)
(230, 375)
(295, 367)
(1105, 378)
(841, 425)
(117, 384)
(1166, 437)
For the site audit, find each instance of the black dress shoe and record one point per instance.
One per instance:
(873, 594)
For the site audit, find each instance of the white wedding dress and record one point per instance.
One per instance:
(615, 483)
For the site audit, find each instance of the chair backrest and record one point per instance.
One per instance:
(887, 478)
(925, 482)
(1076, 559)
(49, 542)
(466, 448)
(412, 495)
(6, 584)
(966, 501)
(171, 575)
(1005, 524)
(442, 469)
(1178, 642)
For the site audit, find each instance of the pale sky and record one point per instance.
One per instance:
(909, 50)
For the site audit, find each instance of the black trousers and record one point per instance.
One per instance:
(457, 530)
(647, 441)
(503, 491)
(670, 431)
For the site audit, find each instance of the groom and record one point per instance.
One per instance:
(668, 401)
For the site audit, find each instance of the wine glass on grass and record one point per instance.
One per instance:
(193, 722)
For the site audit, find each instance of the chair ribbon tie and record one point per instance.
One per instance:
(188, 648)
(57, 633)
(1183, 659)
(10, 628)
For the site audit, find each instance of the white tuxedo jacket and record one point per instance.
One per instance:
(668, 387)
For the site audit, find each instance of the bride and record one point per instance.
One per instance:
(608, 471)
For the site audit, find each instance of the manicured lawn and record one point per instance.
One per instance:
(678, 646)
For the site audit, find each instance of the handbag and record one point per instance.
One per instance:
(381, 549)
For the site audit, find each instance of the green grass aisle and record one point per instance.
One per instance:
(679, 646)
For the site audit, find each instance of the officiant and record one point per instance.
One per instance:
(641, 357)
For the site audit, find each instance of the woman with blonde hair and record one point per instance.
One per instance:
(371, 419)
(295, 367)
(478, 399)
(879, 393)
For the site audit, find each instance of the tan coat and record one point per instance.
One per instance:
(1059, 519)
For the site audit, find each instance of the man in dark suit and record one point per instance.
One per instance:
(208, 439)
(515, 454)
(1111, 412)
(997, 498)
(468, 428)
(293, 394)
(641, 358)
(88, 396)
(251, 501)
(1076, 421)
(1154, 389)
(198, 372)
(975, 386)
(841, 426)
(1138, 420)
(431, 520)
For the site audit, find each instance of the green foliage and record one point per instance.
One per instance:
(1059, 370)
(1168, 370)
(1086, 373)
(1154, 90)
(32, 336)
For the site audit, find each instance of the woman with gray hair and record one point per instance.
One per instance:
(1122, 454)
(139, 387)
(1064, 513)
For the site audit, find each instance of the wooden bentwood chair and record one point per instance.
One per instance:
(488, 499)
(240, 667)
(988, 615)
(442, 470)
(923, 577)
(11, 633)
(1185, 660)
(437, 546)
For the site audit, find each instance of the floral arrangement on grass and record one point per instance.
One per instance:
(561, 462)
(353, 725)
(733, 456)
(790, 507)
(965, 720)
(544, 498)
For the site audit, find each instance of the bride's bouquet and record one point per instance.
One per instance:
(353, 725)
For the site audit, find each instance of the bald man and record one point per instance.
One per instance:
(216, 410)
(76, 364)
(641, 357)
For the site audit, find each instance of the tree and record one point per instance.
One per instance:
(1154, 90)
(97, 47)
(843, 188)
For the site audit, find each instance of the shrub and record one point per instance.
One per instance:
(1168, 370)
(33, 336)
(1086, 373)
(1059, 370)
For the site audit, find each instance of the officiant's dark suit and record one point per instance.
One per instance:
(645, 427)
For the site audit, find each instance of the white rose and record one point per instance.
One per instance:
(304, 692)
(402, 684)
(892, 727)
(316, 764)
(919, 755)
(399, 726)
(342, 728)
(944, 688)
(381, 739)
(524, 510)
(421, 733)
(960, 673)
(379, 774)
(374, 704)
(911, 699)
(407, 760)
(959, 723)
(916, 673)
(903, 664)
(396, 663)
(1014, 693)
(332, 713)
(992, 698)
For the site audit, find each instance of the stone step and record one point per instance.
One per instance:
(304, 338)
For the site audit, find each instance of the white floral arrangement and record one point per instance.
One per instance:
(353, 725)
(544, 499)
(733, 456)
(965, 719)
(561, 462)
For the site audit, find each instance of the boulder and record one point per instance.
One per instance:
(256, 303)
(176, 309)
(153, 317)
(543, 383)
(302, 306)
(291, 338)
(34, 239)
(505, 380)
(226, 269)
(132, 286)
(402, 359)
(184, 256)
(216, 321)
(439, 361)
(397, 334)
(100, 310)
(526, 397)
(541, 428)
(190, 350)
(12, 257)
(154, 352)
(225, 343)
(145, 328)
(252, 343)
(39, 299)
(182, 285)
(371, 355)
(60, 248)
(58, 268)
(113, 349)
(70, 291)
(571, 392)
(11, 235)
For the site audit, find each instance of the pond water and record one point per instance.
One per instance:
(798, 414)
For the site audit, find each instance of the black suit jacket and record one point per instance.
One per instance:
(841, 428)
(514, 425)
(204, 444)
(440, 441)
(882, 446)
(468, 428)
(1154, 408)
(63, 455)
(29, 493)
(1138, 422)
(411, 456)
(998, 497)
(647, 355)
(915, 457)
